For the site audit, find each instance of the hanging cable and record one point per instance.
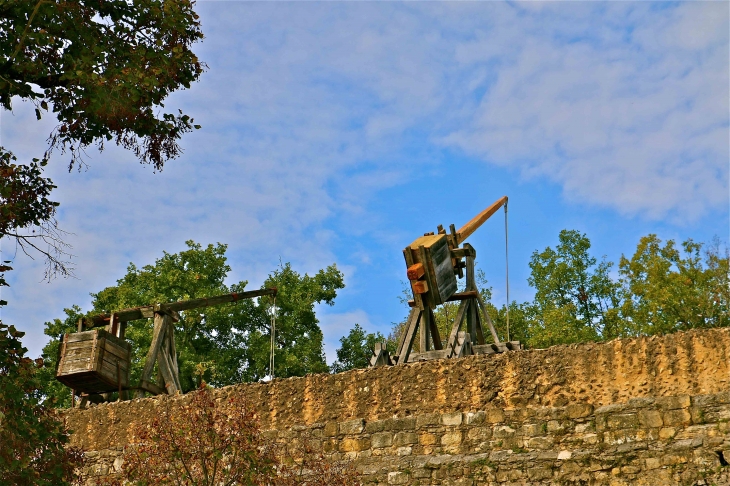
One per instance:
(506, 265)
(273, 338)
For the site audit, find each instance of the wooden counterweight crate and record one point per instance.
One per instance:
(432, 251)
(94, 362)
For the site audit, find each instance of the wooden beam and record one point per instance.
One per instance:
(419, 286)
(402, 339)
(471, 294)
(451, 344)
(410, 335)
(158, 338)
(151, 387)
(470, 227)
(148, 311)
(415, 271)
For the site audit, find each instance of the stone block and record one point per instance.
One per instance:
(476, 418)
(541, 443)
(579, 410)
(554, 426)
(479, 433)
(650, 418)
(539, 473)
(674, 403)
(564, 455)
(495, 416)
(428, 439)
(330, 429)
(381, 439)
(622, 421)
(427, 419)
(398, 477)
(666, 433)
(405, 438)
(677, 417)
(451, 419)
(533, 430)
(503, 431)
(352, 427)
(374, 426)
(354, 445)
(451, 439)
(653, 463)
(421, 473)
(400, 423)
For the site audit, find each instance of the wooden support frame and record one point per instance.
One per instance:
(472, 315)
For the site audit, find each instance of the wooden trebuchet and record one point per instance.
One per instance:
(433, 261)
(98, 361)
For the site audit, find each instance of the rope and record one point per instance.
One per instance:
(506, 265)
(273, 338)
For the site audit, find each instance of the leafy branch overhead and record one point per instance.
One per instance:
(103, 69)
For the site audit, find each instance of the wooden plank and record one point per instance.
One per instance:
(432, 299)
(469, 294)
(81, 336)
(163, 362)
(408, 255)
(158, 337)
(167, 348)
(443, 270)
(427, 356)
(121, 352)
(488, 319)
(415, 271)
(147, 311)
(152, 388)
(402, 339)
(451, 343)
(470, 227)
(462, 252)
(419, 286)
(425, 331)
(173, 353)
(410, 335)
(483, 349)
(435, 336)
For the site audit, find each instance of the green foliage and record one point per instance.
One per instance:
(103, 69)
(223, 344)
(667, 289)
(575, 298)
(33, 438)
(660, 289)
(356, 348)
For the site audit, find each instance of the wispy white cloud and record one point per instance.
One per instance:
(310, 110)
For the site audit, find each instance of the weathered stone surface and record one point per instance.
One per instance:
(556, 416)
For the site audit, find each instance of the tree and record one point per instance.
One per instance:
(666, 289)
(205, 440)
(356, 348)
(103, 69)
(25, 206)
(223, 344)
(575, 298)
(34, 441)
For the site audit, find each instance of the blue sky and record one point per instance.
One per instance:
(340, 131)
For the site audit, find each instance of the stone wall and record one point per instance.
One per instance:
(639, 411)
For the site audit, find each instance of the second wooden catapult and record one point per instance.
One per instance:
(433, 262)
(96, 363)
